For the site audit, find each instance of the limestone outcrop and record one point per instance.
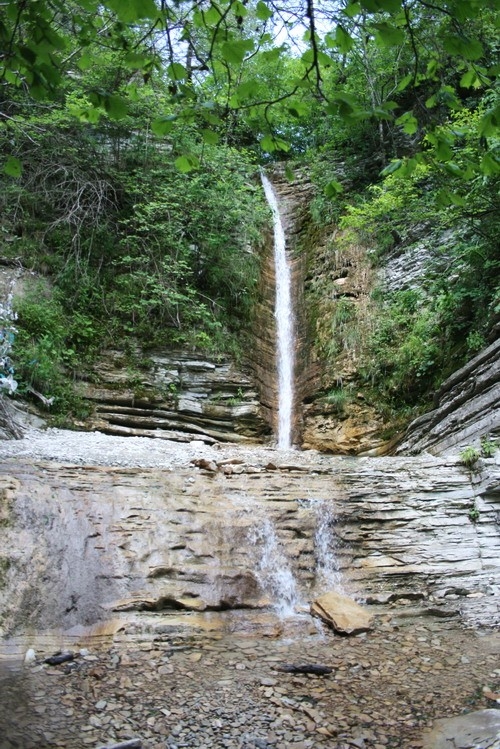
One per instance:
(466, 408)
(174, 395)
(477, 730)
(85, 544)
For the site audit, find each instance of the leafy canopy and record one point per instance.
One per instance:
(429, 55)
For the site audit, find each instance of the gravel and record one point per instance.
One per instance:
(96, 448)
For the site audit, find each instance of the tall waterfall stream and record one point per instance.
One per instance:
(284, 323)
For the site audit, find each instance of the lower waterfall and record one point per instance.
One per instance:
(284, 323)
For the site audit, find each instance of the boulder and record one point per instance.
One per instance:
(342, 613)
(471, 731)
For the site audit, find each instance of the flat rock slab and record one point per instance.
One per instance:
(479, 730)
(342, 613)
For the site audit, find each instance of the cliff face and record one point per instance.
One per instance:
(174, 395)
(82, 544)
(184, 396)
(466, 408)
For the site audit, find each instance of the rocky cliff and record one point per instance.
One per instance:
(244, 532)
(174, 395)
(466, 408)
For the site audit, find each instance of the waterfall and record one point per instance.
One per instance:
(284, 323)
(328, 573)
(273, 571)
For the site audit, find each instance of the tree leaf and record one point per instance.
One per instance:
(490, 123)
(297, 109)
(267, 144)
(163, 125)
(177, 72)
(490, 164)
(239, 9)
(463, 46)
(405, 82)
(210, 137)
(132, 10)
(343, 40)
(408, 122)
(234, 52)
(115, 106)
(263, 12)
(389, 35)
(187, 163)
(13, 167)
(333, 189)
(352, 9)
(392, 167)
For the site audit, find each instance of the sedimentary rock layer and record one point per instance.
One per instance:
(83, 544)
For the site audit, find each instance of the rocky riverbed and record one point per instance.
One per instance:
(385, 689)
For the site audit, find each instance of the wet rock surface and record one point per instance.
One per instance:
(385, 689)
(134, 525)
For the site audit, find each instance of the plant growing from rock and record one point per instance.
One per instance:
(469, 456)
(488, 447)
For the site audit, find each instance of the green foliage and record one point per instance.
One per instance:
(338, 398)
(488, 447)
(400, 64)
(469, 456)
(474, 514)
(44, 353)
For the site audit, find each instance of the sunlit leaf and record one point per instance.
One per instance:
(267, 144)
(263, 12)
(392, 167)
(352, 9)
(408, 122)
(470, 79)
(187, 163)
(297, 109)
(211, 16)
(239, 9)
(405, 82)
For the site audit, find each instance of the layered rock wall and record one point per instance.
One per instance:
(466, 408)
(83, 544)
(174, 395)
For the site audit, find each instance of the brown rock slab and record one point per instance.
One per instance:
(342, 613)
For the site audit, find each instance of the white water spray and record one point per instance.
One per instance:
(328, 574)
(273, 571)
(284, 323)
